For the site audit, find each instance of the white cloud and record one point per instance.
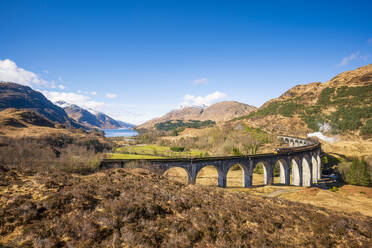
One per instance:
(73, 98)
(93, 93)
(354, 56)
(369, 41)
(191, 100)
(202, 80)
(10, 72)
(62, 87)
(60, 78)
(110, 95)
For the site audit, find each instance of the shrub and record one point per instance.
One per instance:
(367, 128)
(236, 151)
(333, 189)
(36, 154)
(289, 108)
(177, 148)
(325, 96)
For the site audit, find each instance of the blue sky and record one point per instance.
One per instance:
(137, 60)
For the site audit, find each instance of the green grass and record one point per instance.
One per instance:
(131, 156)
(156, 150)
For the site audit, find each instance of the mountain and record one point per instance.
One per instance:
(218, 112)
(18, 96)
(342, 105)
(91, 118)
(17, 118)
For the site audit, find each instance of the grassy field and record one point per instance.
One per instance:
(131, 156)
(156, 150)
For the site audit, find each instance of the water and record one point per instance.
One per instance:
(121, 132)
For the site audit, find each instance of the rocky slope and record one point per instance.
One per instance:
(344, 103)
(91, 118)
(23, 97)
(219, 112)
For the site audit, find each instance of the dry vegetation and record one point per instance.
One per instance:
(220, 140)
(53, 152)
(347, 198)
(134, 208)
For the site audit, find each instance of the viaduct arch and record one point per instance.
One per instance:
(303, 159)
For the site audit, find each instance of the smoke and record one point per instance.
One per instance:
(324, 128)
(322, 137)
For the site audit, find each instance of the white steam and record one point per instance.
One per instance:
(322, 137)
(323, 128)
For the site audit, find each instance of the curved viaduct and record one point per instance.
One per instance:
(305, 164)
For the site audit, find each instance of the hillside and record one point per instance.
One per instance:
(23, 123)
(90, 118)
(23, 97)
(134, 208)
(218, 112)
(344, 102)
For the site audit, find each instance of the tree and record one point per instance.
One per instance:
(352, 175)
(359, 173)
(365, 178)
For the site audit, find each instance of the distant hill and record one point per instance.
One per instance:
(343, 106)
(219, 112)
(16, 118)
(91, 118)
(18, 96)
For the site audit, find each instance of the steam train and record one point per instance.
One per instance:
(297, 148)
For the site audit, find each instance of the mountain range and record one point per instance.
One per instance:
(218, 112)
(16, 96)
(91, 118)
(342, 106)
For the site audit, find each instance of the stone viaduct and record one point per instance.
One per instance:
(301, 162)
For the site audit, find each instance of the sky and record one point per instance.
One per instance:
(136, 60)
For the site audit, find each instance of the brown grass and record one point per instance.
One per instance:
(208, 176)
(348, 199)
(134, 208)
(62, 152)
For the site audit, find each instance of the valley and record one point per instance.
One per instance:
(53, 171)
(186, 124)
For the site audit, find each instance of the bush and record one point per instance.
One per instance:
(333, 189)
(177, 148)
(289, 108)
(36, 154)
(236, 151)
(367, 128)
(325, 96)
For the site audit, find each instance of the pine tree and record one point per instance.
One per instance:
(352, 177)
(365, 178)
